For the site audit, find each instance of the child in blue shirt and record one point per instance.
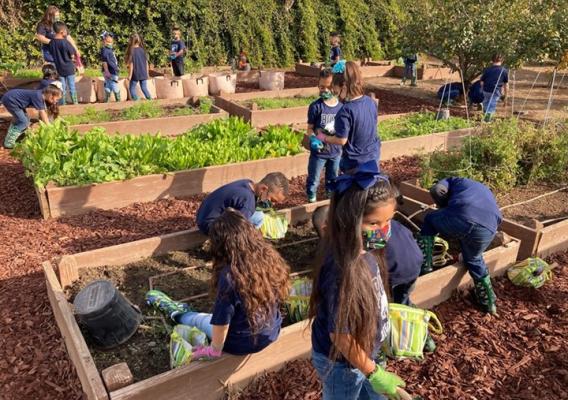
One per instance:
(356, 122)
(321, 119)
(137, 63)
(335, 53)
(410, 70)
(177, 51)
(469, 213)
(243, 195)
(64, 54)
(475, 93)
(348, 306)
(16, 101)
(450, 93)
(243, 321)
(50, 75)
(495, 83)
(109, 67)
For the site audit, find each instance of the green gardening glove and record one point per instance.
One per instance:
(386, 383)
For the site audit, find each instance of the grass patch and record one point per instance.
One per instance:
(28, 74)
(418, 124)
(283, 102)
(97, 73)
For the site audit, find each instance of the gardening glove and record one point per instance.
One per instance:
(315, 144)
(205, 353)
(384, 382)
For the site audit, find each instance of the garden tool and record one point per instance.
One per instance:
(11, 137)
(532, 272)
(485, 295)
(165, 304)
(440, 256)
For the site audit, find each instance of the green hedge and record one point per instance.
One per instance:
(215, 30)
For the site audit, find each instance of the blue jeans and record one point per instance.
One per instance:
(67, 82)
(401, 292)
(201, 321)
(490, 100)
(474, 238)
(20, 119)
(111, 85)
(257, 219)
(410, 72)
(342, 382)
(143, 86)
(315, 166)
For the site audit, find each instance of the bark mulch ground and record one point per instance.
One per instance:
(33, 359)
(518, 355)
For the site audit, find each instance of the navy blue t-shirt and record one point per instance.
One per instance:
(450, 91)
(107, 56)
(140, 64)
(229, 310)
(357, 121)
(475, 93)
(176, 47)
(411, 59)
(45, 83)
(494, 76)
(62, 52)
(46, 31)
(403, 256)
(238, 195)
(322, 116)
(335, 54)
(324, 322)
(472, 201)
(23, 98)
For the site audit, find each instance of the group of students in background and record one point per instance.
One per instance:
(365, 259)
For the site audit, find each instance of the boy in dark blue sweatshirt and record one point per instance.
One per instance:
(177, 51)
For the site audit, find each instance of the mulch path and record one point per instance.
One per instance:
(518, 355)
(33, 359)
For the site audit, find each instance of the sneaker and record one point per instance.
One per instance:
(312, 199)
(163, 303)
(485, 295)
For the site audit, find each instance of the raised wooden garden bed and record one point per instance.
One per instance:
(167, 126)
(72, 200)
(370, 69)
(210, 380)
(428, 72)
(538, 241)
(306, 69)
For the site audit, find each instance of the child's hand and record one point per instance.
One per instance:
(321, 136)
(107, 75)
(205, 353)
(387, 383)
(315, 144)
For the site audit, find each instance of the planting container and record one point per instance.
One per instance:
(150, 83)
(100, 87)
(429, 72)
(540, 241)
(221, 83)
(306, 69)
(210, 380)
(168, 88)
(71, 200)
(86, 90)
(195, 86)
(271, 80)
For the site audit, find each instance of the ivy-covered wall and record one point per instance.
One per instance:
(272, 32)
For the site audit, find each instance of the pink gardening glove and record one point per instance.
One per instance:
(205, 353)
(322, 137)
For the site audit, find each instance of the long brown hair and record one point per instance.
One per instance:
(260, 275)
(349, 84)
(135, 40)
(358, 303)
(52, 108)
(49, 17)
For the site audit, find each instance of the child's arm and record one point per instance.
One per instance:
(130, 70)
(106, 72)
(42, 39)
(332, 139)
(43, 116)
(72, 41)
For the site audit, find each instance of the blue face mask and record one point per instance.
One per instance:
(326, 95)
(377, 239)
(263, 205)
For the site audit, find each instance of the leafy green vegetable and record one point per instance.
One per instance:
(418, 124)
(28, 74)
(56, 153)
(282, 102)
(97, 73)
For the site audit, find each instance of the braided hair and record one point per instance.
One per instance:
(358, 308)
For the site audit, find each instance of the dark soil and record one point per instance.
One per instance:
(551, 207)
(394, 103)
(518, 355)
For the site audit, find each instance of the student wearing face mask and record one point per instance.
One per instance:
(321, 119)
(109, 67)
(356, 122)
(45, 33)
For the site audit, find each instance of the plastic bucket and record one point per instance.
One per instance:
(195, 86)
(105, 313)
(168, 88)
(271, 80)
(222, 83)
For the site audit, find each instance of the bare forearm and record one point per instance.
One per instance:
(219, 335)
(42, 39)
(43, 116)
(335, 140)
(353, 353)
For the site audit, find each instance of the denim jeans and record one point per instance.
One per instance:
(401, 292)
(201, 321)
(315, 166)
(67, 82)
(342, 382)
(257, 219)
(490, 100)
(474, 238)
(111, 84)
(410, 72)
(20, 119)
(143, 86)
